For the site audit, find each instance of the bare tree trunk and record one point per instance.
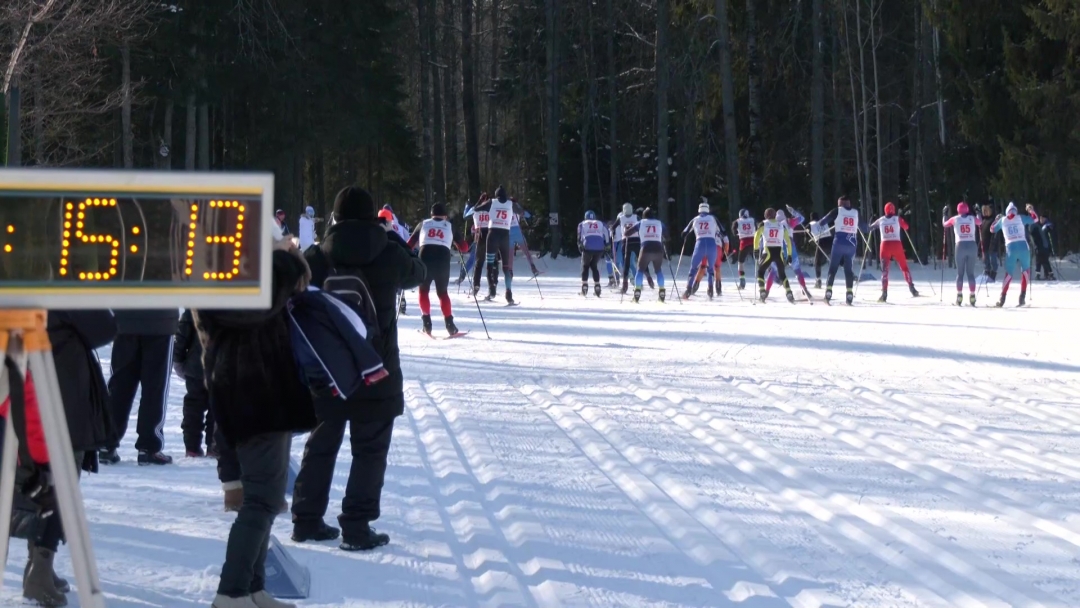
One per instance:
(468, 100)
(422, 19)
(204, 137)
(438, 150)
(663, 84)
(817, 112)
(450, 101)
(20, 45)
(877, 110)
(14, 137)
(189, 140)
(39, 119)
(553, 100)
(492, 153)
(727, 84)
(167, 128)
(837, 116)
(864, 109)
(924, 233)
(854, 106)
(613, 111)
(754, 94)
(125, 107)
(937, 78)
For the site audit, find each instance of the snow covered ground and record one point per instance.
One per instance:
(598, 453)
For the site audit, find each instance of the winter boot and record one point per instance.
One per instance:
(148, 458)
(817, 284)
(40, 582)
(584, 289)
(1000, 302)
(316, 531)
(828, 295)
(971, 299)
(663, 294)
(914, 292)
(224, 601)
(637, 295)
(426, 320)
(450, 327)
(61, 584)
(596, 289)
(509, 297)
(959, 299)
(234, 496)
(850, 297)
(884, 296)
(1023, 299)
(195, 453)
(263, 599)
(365, 540)
(108, 456)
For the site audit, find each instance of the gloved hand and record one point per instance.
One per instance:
(39, 488)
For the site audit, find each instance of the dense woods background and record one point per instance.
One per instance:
(571, 104)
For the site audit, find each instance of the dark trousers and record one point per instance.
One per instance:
(370, 442)
(228, 464)
(197, 415)
(145, 360)
(1042, 261)
(264, 464)
(772, 255)
(842, 256)
(590, 261)
(480, 249)
(50, 530)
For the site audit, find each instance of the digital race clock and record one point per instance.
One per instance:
(134, 239)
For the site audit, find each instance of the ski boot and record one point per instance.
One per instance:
(790, 296)
(828, 295)
(742, 282)
(1023, 299)
(971, 299)
(475, 291)
(959, 299)
(450, 327)
(884, 296)
(584, 289)
(663, 294)
(491, 294)
(914, 292)
(850, 297)
(686, 294)
(426, 320)
(762, 295)
(719, 288)
(1000, 302)
(509, 297)
(711, 293)
(637, 295)
(817, 284)
(596, 289)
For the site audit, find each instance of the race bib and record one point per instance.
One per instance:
(435, 232)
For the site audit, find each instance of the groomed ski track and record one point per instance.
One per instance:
(598, 453)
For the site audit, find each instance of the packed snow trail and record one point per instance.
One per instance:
(598, 453)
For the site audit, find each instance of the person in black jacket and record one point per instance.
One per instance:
(258, 400)
(359, 245)
(74, 336)
(187, 363)
(141, 355)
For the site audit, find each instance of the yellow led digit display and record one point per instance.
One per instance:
(233, 241)
(75, 220)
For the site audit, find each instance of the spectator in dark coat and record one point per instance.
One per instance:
(74, 336)
(187, 363)
(1043, 235)
(357, 243)
(259, 401)
(142, 355)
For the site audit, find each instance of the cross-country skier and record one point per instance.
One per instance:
(479, 234)
(823, 239)
(501, 211)
(773, 235)
(792, 254)
(517, 239)
(965, 225)
(706, 231)
(892, 248)
(593, 238)
(846, 226)
(721, 257)
(1017, 252)
(744, 228)
(436, 238)
(653, 234)
(627, 247)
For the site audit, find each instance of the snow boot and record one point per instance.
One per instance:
(914, 292)
(637, 295)
(884, 296)
(234, 496)
(314, 531)
(850, 297)
(149, 458)
(108, 457)
(366, 540)
(828, 295)
(584, 289)
(224, 601)
(959, 299)
(61, 584)
(40, 582)
(426, 320)
(596, 289)
(971, 299)
(663, 294)
(263, 599)
(195, 453)
(1023, 299)
(450, 327)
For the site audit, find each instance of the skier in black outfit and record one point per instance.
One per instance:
(501, 210)
(141, 355)
(356, 244)
(187, 363)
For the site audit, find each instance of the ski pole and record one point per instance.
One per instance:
(862, 265)
(917, 259)
(1054, 261)
(678, 267)
(475, 301)
(735, 277)
(941, 297)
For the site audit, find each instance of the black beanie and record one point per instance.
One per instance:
(354, 203)
(500, 194)
(438, 210)
(647, 213)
